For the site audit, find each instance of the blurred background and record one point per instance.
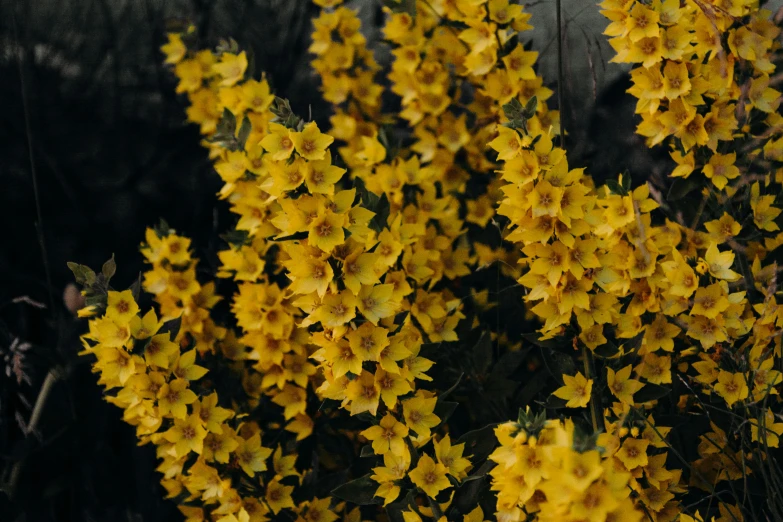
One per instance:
(92, 130)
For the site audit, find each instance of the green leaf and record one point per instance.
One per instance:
(360, 491)
(135, 288)
(626, 182)
(479, 443)
(244, 132)
(451, 389)
(382, 209)
(482, 353)
(681, 187)
(367, 451)
(402, 6)
(651, 392)
(607, 350)
(83, 274)
(554, 403)
(615, 188)
(236, 238)
(227, 125)
(444, 410)
(552, 344)
(513, 109)
(172, 327)
(109, 268)
(530, 107)
(395, 509)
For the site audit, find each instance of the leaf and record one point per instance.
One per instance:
(554, 403)
(531, 389)
(509, 362)
(681, 187)
(444, 410)
(513, 109)
(479, 443)
(395, 509)
(615, 187)
(292, 237)
(559, 363)
(228, 123)
(500, 387)
(109, 268)
(451, 389)
(626, 182)
(651, 392)
(530, 108)
(552, 344)
(135, 288)
(482, 353)
(236, 238)
(172, 327)
(360, 491)
(367, 451)
(607, 350)
(382, 209)
(83, 274)
(244, 132)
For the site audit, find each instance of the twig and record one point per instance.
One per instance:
(560, 76)
(33, 174)
(593, 396)
(43, 395)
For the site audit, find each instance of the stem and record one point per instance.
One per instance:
(33, 173)
(560, 76)
(46, 388)
(593, 416)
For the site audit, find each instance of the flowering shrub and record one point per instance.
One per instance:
(434, 243)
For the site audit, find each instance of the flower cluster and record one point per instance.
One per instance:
(359, 257)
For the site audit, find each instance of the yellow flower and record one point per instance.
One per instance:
(231, 68)
(364, 394)
(721, 168)
(419, 416)
(367, 341)
(278, 496)
(372, 151)
(310, 143)
(429, 476)
(279, 142)
(576, 390)
(219, 447)
(173, 397)
(144, 328)
(293, 399)
(174, 49)
(451, 457)
(507, 144)
(387, 436)
(257, 96)
(732, 386)
(633, 453)
(359, 269)
(121, 307)
(251, 455)
(710, 301)
(186, 435)
(326, 231)
(723, 229)
(159, 350)
(337, 309)
(210, 414)
(322, 175)
(621, 385)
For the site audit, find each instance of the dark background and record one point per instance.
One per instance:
(90, 116)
